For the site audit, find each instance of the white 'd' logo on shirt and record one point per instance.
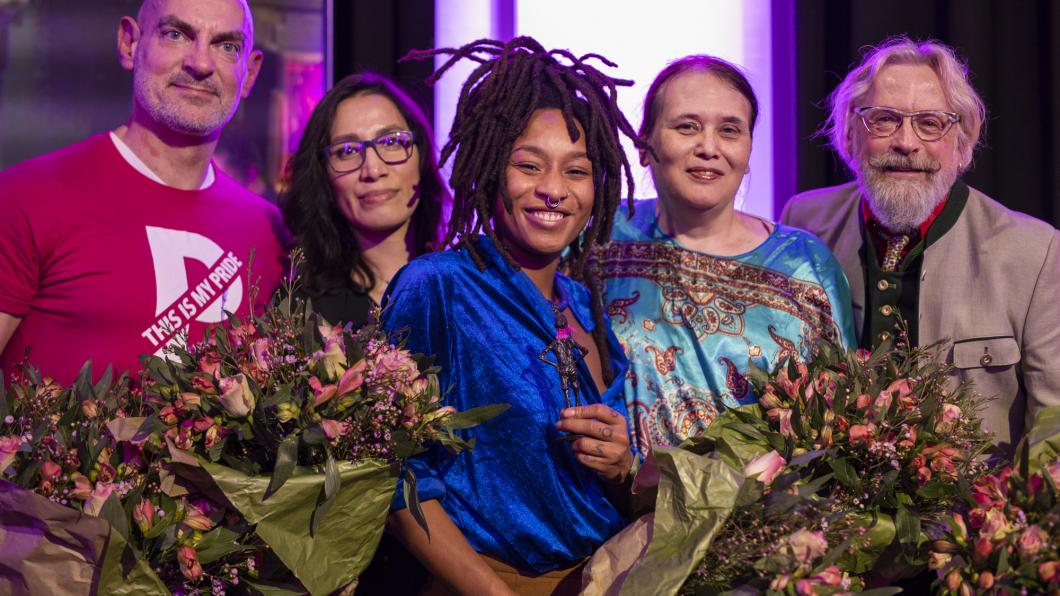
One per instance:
(178, 301)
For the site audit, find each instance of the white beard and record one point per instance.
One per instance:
(902, 205)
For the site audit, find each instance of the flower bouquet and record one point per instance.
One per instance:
(862, 452)
(301, 427)
(81, 501)
(1007, 540)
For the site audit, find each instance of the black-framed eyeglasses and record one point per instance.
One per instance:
(929, 125)
(348, 156)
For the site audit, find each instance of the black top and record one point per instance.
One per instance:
(349, 304)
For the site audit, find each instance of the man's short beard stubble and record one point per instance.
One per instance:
(902, 205)
(175, 116)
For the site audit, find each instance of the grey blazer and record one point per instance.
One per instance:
(991, 284)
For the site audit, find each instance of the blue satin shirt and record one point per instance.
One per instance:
(520, 495)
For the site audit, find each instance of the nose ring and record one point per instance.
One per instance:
(553, 202)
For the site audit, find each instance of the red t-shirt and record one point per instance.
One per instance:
(102, 263)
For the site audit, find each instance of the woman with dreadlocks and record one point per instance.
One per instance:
(537, 163)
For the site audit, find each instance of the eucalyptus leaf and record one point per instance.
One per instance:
(286, 459)
(412, 501)
(475, 416)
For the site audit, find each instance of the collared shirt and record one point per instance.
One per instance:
(880, 235)
(520, 495)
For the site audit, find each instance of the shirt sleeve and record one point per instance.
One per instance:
(1041, 336)
(414, 310)
(20, 263)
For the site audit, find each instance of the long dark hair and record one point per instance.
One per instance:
(511, 82)
(308, 204)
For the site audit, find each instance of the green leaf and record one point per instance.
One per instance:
(412, 501)
(282, 395)
(100, 389)
(845, 473)
(933, 490)
(286, 458)
(332, 479)
(4, 409)
(475, 416)
(113, 512)
(907, 524)
(83, 383)
(159, 369)
(217, 543)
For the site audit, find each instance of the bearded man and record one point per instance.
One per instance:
(120, 244)
(919, 245)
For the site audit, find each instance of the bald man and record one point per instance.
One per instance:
(131, 240)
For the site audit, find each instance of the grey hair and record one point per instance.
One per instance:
(952, 73)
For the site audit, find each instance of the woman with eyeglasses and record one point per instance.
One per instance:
(364, 195)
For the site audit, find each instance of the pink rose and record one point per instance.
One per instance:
(259, 351)
(1031, 541)
(236, 396)
(334, 429)
(806, 546)
(202, 424)
(9, 446)
(95, 501)
(189, 562)
(395, 361)
(766, 467)
(949, 415)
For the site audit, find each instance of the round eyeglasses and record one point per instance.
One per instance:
(348, 156)
(929, 125)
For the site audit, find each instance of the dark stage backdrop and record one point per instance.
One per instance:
(1013, 51)
(373, 35)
